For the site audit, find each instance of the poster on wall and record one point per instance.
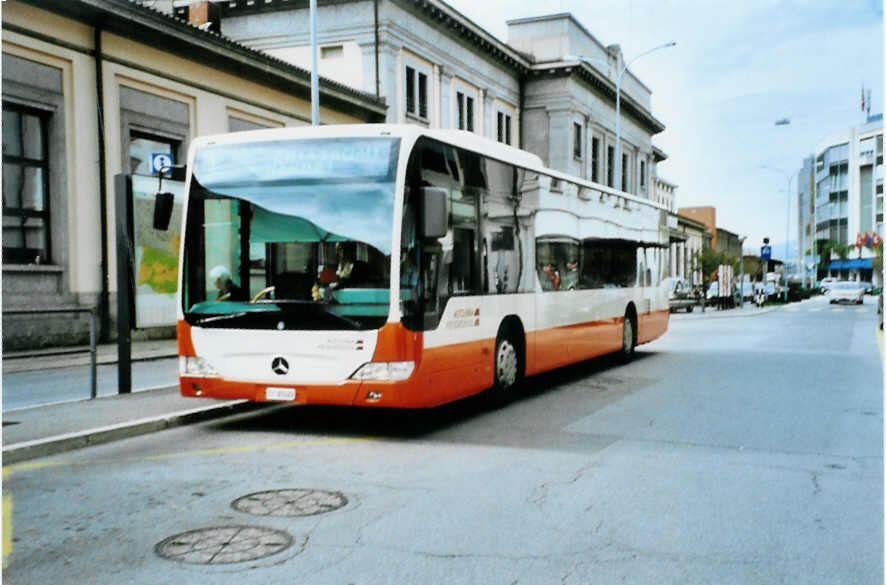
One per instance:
(155, 252)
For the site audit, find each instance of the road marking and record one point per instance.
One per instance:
(838, 309)
(880, 343)
(7, 529)
(225, 450)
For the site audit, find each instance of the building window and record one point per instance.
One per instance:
(416, 93)
(25, 185)
(143, 147)
(504, 128)
(595, 158)
(469, 106)
(642, 174)
(465, 105)
(576, 140)
(624, 172)
(410, 90)
(610, 163)
(333, 52)
(422, 95)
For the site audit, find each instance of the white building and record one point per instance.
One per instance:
(849, 196)
(436, 68)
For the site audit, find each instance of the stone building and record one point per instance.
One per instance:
(436, 68)
(93, 88)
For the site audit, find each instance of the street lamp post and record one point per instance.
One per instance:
(618, 78)
(787, 230)
(741, 271)
(315, 84)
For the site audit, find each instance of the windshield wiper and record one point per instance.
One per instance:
(221, 317)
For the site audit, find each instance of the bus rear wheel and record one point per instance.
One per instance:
(628, 338)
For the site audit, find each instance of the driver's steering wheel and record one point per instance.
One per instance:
(261, 293)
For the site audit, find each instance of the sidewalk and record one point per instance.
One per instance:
(45, 430)
(711, 312)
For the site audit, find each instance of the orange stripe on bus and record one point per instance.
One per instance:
(185, 343)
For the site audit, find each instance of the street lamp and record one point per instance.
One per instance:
(315, 82)
(787, 227)
(618, 77)
(741, 271)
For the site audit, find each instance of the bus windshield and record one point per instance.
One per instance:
(290, 234)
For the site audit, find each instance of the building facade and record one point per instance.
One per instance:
(849, 197)
(806, 220)
(162, 72)
(436, 68)
(96, 88)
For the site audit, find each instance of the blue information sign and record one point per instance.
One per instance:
(160, 160)
(765, 252)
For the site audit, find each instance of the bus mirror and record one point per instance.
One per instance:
(433, 221)
(163, 210)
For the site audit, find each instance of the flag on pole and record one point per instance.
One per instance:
(862, 97)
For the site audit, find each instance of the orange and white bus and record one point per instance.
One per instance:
(396, 266)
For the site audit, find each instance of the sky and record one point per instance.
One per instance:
(736, 69)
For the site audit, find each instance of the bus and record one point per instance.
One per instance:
(399, 266)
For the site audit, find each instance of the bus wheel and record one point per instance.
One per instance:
(628, 343)
(507, 369)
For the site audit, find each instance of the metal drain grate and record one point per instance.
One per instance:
(291, 502)
(223, 545)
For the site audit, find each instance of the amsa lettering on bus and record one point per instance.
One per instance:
(462, 318)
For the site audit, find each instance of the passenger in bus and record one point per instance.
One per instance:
(570, 281)
(551, 279)
(224, 284)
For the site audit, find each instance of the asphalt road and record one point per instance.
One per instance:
(732, 450)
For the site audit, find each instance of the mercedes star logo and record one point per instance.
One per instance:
(280, 366)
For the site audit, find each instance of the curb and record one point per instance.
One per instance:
(730, 315)
(26, 450)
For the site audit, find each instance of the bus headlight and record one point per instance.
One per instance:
(391, 371)
(195, 366)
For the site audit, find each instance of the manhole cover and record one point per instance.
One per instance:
(223, 544)
(294, 502)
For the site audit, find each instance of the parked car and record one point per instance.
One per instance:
(880, 308)
(826, 282)
(845, 291)
(680, 295)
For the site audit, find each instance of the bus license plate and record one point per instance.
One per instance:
(273, 393)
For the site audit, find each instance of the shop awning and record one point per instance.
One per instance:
(853, 264)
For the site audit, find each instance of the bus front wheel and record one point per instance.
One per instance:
(507, 368)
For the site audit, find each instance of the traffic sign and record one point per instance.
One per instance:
(765, 252)
(159, 160)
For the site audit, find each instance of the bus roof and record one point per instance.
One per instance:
(411, 132)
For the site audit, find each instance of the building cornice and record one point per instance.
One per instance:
(602, 85)
(435, 11)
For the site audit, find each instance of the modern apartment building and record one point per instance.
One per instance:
(849, 196)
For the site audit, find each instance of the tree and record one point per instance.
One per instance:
(708, 260)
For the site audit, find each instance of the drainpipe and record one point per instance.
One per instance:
(520, 100)
(103, 304)
(377, 81)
